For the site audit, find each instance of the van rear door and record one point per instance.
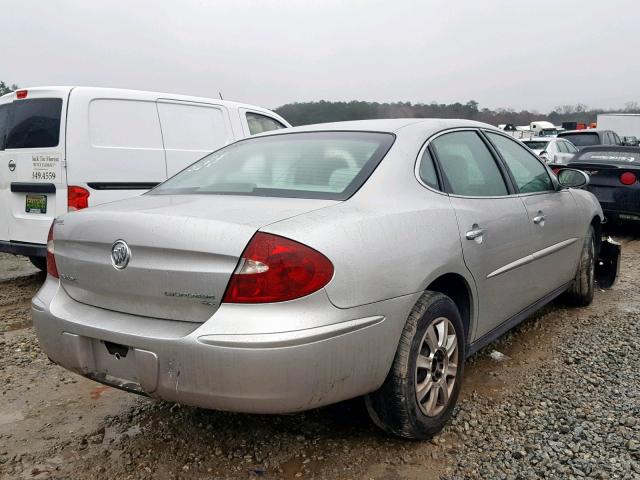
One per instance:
(33, 181)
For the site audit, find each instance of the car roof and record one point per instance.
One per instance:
(539, 139)
(388, 125)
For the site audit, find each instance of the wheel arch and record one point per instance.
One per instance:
(596, 223)
(456, 287)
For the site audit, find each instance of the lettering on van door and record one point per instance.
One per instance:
(45, 167)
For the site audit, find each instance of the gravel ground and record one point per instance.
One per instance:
(563, 402)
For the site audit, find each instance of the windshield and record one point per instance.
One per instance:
(327, 165)
(536, 144)
(582, 139)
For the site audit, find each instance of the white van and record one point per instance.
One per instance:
(67, 148)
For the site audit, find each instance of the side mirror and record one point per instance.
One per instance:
(544, 155)
(572, 178)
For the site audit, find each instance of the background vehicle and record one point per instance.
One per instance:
(591, 137)
(614, 173)
(625, 124)
(552, 150)
(67, 148)
(302, 267)
(630, 141)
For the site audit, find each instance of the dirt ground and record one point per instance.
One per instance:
(54, 424)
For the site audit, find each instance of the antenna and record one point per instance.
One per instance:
(220, 93)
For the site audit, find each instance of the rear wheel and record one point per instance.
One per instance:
(422, 387)
(580, 293)
(39, 262)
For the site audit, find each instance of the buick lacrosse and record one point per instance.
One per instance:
(316, 264)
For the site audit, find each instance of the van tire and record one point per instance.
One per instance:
(580, 293)
(396, 407)
(39, 262)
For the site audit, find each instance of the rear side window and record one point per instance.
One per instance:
(261, 123)
(582, 139)
(34, 123)
(4, 120)
(327, 165)
(428, 171)
(529, 173)
(468, 166)
(562, 147)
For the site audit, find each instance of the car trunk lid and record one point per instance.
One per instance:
(183, 250)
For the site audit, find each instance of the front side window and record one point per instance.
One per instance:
(528, 172)
(261, 123)
(34, 123)
(468, 166)
(327, 165)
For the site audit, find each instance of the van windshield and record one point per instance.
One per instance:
(34, 123)
(582, 139)
(326, 165)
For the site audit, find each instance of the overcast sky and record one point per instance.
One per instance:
(518, 54)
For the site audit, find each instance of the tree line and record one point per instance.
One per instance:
(304, 113)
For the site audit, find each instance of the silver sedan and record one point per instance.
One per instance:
(316, 264)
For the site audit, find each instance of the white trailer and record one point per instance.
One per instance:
(624, 124)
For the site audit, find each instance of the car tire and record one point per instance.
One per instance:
(39, 262)
(580, 293)
(422, 366)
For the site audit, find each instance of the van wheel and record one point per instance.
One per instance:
(422, 387)
(580, 293)
(39, 262)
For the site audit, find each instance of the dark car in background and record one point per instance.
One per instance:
(615, 175)
(591, 137)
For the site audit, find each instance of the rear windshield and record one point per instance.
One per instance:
(327, 165)
(582, 139)
(34, 123)
(536, 145)
(609, 156)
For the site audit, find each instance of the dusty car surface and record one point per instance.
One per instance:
(297, 269)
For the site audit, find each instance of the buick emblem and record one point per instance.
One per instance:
(120, 255)
(12, 165)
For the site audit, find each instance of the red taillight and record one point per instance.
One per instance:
(21, 93)
(555, 170)
(628, 178)
(77, 198)
(52, 268)
(276, 269)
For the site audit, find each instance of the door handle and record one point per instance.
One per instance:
(539, 219)
(475, 233)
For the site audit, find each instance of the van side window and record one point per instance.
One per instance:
(4, 120)
(34, 123)
(261, 123)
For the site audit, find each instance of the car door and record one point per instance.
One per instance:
(563, 156)
(553, 221)
(492, 223)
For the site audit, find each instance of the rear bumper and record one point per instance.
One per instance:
(23, 248)
(200, 365)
